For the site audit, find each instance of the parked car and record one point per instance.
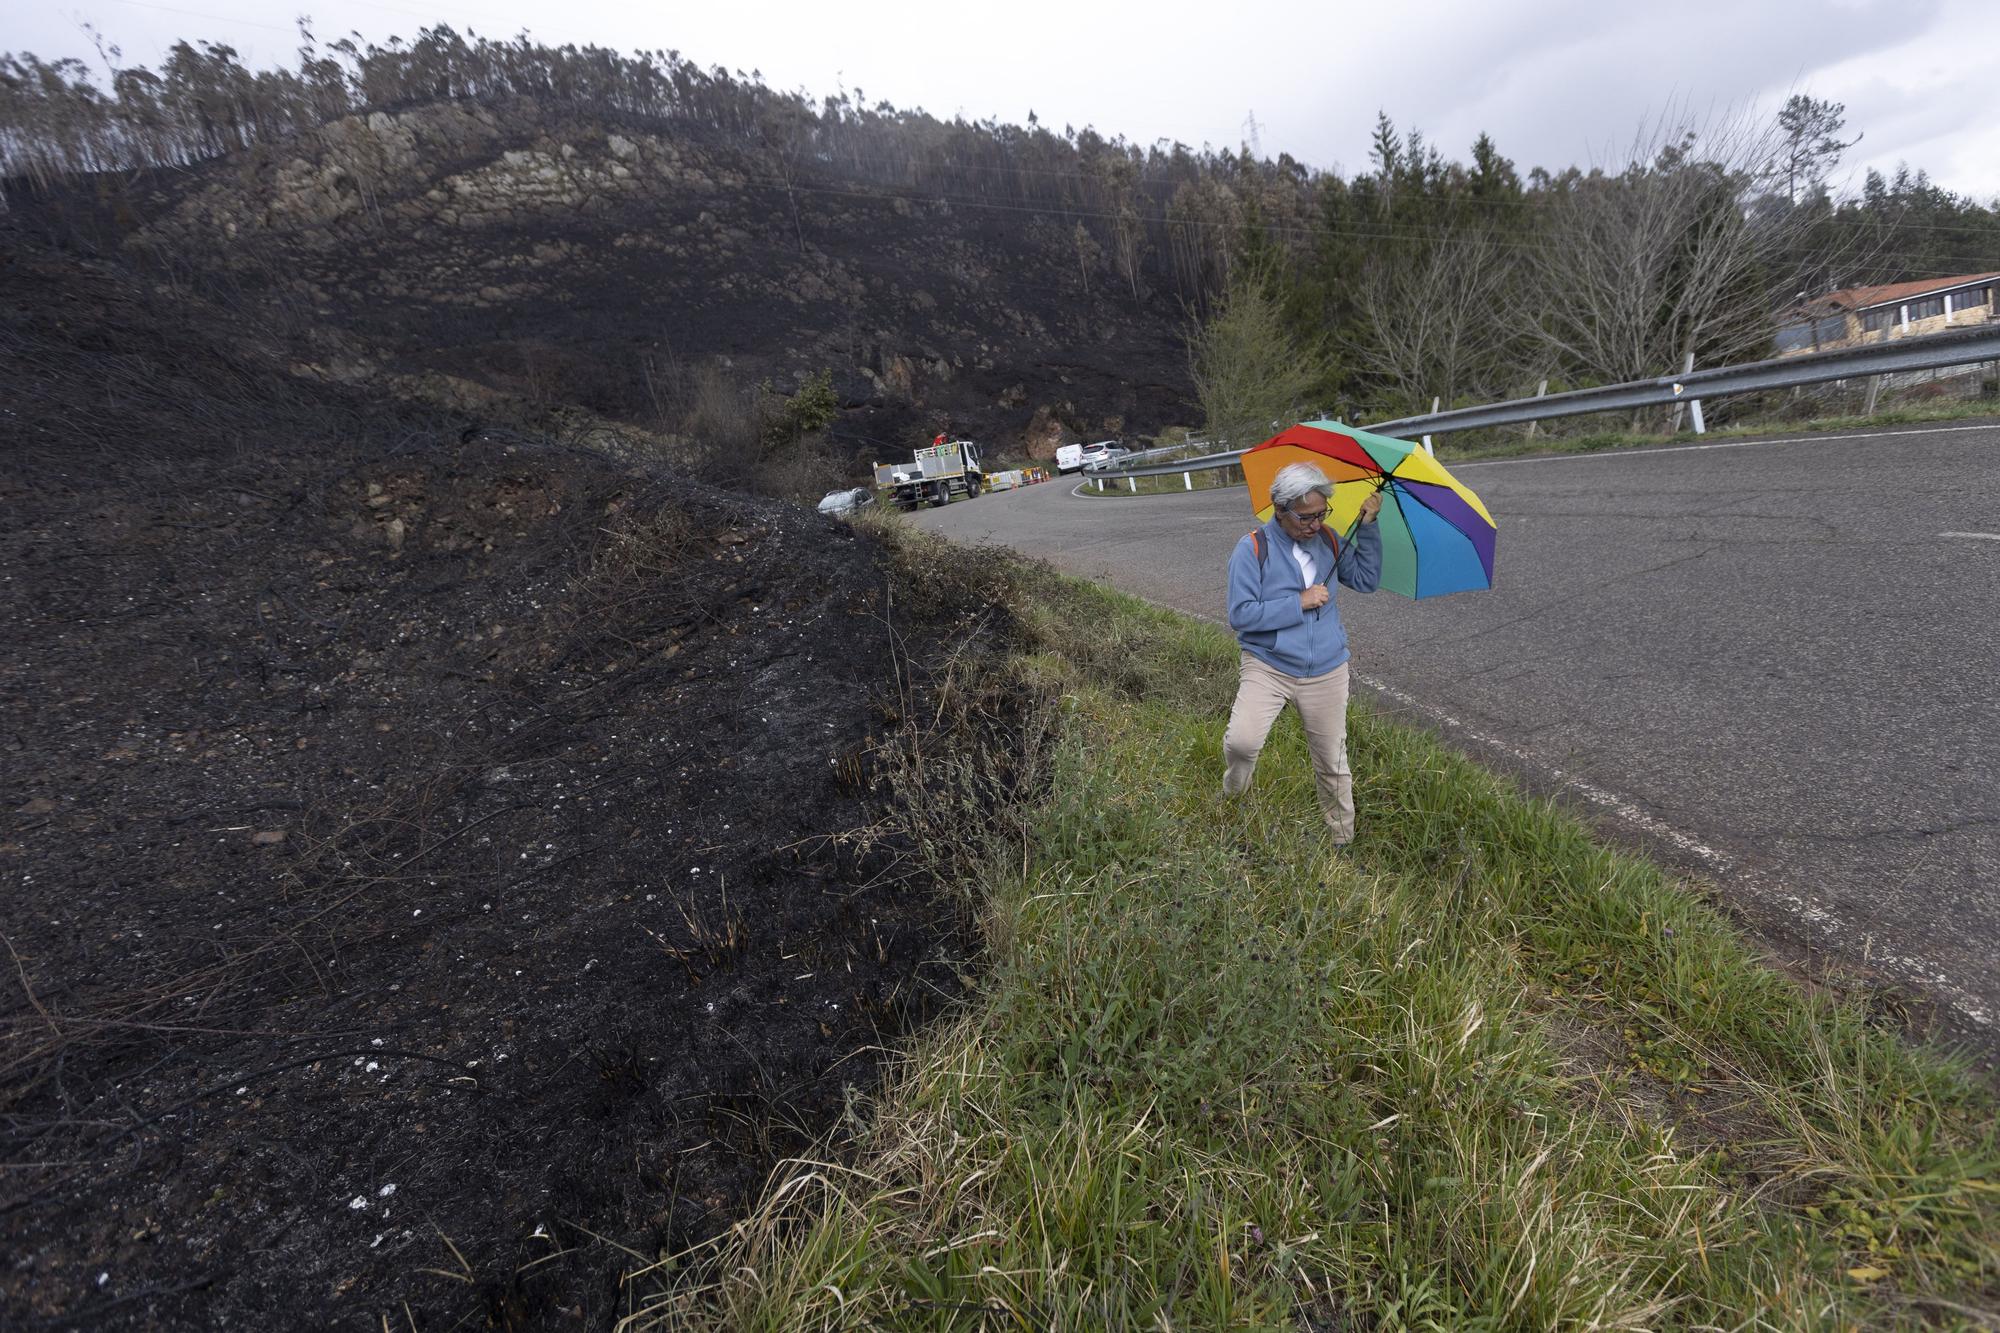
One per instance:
(842, 503)
(1069, 458)
(1104, 451)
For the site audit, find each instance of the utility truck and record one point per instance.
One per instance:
(934, 475)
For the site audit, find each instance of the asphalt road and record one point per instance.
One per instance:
(1775, 662)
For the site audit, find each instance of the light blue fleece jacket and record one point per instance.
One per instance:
(1264, 603)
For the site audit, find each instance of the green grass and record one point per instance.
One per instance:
(1480, 1072)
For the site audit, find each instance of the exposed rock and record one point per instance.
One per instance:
(1045, 434)
(899, 376)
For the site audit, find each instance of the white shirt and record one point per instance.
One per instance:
(1304, 557)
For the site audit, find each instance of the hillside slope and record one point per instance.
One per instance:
(433, 859)
(572, 257)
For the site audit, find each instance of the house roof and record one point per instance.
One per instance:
(1861, 298)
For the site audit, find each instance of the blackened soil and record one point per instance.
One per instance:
(438, 868)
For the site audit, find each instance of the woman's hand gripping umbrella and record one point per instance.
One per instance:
(1436, 534)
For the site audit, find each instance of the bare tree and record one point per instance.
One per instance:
(784, 130)
(1441, 315)
(1665, 258)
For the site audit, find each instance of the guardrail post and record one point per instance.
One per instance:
(1674, 428)
(1874, 391)
(1187, 479)
(1700, 427)
(1435, 402)
(1535, 427)
(1133, 482)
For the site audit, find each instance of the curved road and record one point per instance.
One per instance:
(1775, 661)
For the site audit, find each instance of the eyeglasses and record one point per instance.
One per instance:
(1311, 520)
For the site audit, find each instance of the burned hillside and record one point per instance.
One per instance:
(566, 255)
(442, 868)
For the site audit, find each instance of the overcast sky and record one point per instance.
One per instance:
(1555, 82)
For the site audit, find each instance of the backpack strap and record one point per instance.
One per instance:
(1257, 541)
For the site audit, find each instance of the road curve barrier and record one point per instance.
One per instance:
(1956, 348)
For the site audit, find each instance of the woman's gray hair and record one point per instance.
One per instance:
(1295, 481)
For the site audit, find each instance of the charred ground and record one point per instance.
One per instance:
(442, 869)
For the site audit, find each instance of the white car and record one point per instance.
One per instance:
(1069, 458)
(1104, 451)
(842, 503)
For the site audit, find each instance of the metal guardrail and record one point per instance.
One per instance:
(1125, 467)
(1927, 353)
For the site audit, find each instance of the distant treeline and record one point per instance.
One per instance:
(1422, 275)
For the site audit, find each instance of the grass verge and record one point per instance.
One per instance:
(1481, 1071)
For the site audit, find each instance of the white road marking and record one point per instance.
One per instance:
(1602, 454)
(1624, 809)
(1974, 536)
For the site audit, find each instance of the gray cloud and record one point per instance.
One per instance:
(1569, 84)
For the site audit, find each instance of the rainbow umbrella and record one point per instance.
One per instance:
(1436, 535)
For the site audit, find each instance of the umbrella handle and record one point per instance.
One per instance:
(1381, 488)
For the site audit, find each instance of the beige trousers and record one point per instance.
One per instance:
(1262, 691)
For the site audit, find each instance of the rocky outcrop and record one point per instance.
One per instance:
(1045, 433)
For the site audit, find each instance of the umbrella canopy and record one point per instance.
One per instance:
(1436, 535)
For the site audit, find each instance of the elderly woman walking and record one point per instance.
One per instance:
(1294, 646)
